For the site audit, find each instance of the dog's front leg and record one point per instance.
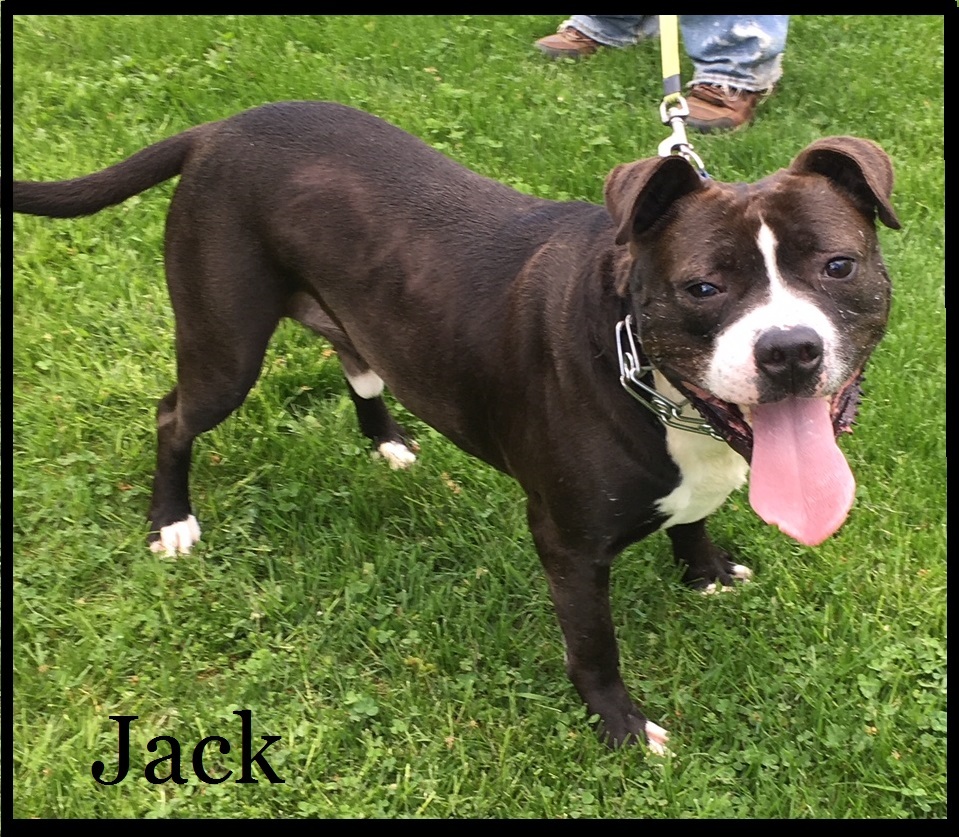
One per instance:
(579, 585)
(706, 567)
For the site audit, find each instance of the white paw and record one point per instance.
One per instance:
(656, 738)
(742, 573)
(177, 537)
(396, 454)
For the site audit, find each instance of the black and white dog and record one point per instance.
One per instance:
(536, 335)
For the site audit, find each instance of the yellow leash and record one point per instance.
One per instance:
(674, 109)
(669, 47)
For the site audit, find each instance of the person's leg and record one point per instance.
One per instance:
(614, 30)
(740, 51)
(581, 35)
(737, 60)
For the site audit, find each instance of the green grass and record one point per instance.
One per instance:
(395, 628)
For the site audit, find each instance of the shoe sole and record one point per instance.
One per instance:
(717, 126)
(552, 52)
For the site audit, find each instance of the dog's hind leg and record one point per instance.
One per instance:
(221, 339)
(389, 439)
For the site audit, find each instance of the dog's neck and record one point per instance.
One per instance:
(635, 375)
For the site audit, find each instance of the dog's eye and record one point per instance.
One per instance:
(840, 268)
(702, 290)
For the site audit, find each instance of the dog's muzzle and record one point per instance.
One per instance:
(720, 419)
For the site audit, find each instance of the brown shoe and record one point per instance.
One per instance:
(716, 107)
(568, 43)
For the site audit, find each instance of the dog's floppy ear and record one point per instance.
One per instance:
(859, 167)
(638, 194)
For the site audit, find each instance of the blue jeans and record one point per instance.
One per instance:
(742, 51)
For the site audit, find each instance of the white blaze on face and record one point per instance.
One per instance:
(733, 375)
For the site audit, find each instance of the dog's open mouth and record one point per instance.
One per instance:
(799, 481)
(728, 421)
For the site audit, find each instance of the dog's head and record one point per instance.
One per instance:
(762, 302)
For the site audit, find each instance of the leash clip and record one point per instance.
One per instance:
(631, 373)
(673, 112)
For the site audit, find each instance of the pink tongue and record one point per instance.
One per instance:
(799, 481)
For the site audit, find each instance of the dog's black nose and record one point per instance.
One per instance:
(789, 357)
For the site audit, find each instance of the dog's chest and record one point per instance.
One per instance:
(709, 469)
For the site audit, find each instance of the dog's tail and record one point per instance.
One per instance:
(113, 185)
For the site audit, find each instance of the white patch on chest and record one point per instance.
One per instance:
(709, 469)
